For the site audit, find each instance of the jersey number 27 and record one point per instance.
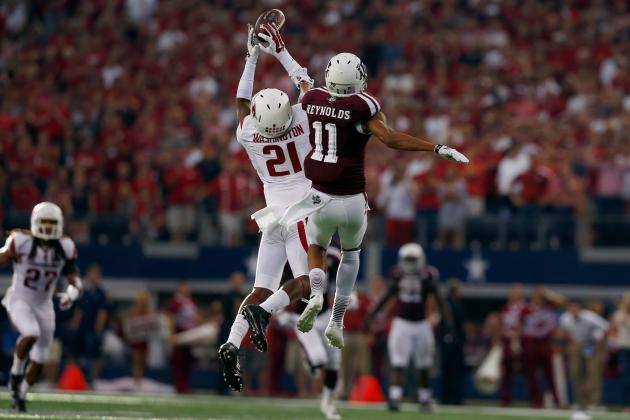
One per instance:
(32, 277)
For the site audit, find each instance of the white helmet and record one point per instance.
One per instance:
(47, 221)
(345, 75)
(411, 257)
(272, 113)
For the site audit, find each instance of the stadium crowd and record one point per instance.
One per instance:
(123, 113)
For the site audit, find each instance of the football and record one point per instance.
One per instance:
(270, 16)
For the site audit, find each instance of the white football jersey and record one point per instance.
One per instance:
(35, 278)
(279, 161)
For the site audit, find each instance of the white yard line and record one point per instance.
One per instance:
(174, 400)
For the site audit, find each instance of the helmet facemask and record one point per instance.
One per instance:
(47, 221)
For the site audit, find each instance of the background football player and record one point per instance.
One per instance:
(275, 136)
(40, 257)
(342, 118)
(411, 334)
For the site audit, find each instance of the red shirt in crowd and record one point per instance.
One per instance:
(539, 322)
(355, 318)
(185, 312)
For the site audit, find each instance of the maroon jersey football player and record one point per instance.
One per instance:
(342, 118)
(411, 334)
(511, 318)
(539, 324)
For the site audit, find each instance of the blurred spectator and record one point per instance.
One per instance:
(93, 309)
(585, 330)
(452, 213)
(514, 163)
(539, 326)
(154, 89)
(184, 316)
(234, 190)
(234, 297)
(511, 316)
(139, 326)
(378, 328)
(452, 347)
(182, 183)
(529, 194)
(355, 354)
(397, 199)
(621, 325)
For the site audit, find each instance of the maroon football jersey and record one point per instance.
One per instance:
(338, 139)
(412, 290)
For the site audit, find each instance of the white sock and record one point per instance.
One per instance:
(339, 310)
(279, 300)
(24, 387)
(317, 278)
(395, 392)
(17, 368)
(238, 330)
(424, 395)
(346, 277)
(328, 394)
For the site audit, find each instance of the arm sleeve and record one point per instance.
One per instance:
(246, 84)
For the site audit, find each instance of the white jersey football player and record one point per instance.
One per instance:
(40, 258)
(275, 136)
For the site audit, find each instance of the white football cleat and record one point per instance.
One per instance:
(313, 308)
(334, 335)
(331, 413)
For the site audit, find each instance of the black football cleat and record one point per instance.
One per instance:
(393, 405)
(19, 404)
(14, 385)
(258, 319)
(426, 407)
(228, 356)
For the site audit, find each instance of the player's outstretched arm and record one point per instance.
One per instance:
(394, 139)
(276, 47)
(246, 84)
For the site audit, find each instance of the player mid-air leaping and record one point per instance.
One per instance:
(342, 118)
(40, 257)
(275, 136)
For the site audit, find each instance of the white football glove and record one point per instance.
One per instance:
(275, 44)
(298, 79)
(68, 297)
(450, 154)
(253, 49)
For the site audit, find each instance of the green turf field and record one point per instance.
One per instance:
(90, 406)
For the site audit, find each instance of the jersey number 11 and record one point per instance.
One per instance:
(331, 154)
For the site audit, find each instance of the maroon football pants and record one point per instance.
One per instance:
(509, 364)
(537, 359)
